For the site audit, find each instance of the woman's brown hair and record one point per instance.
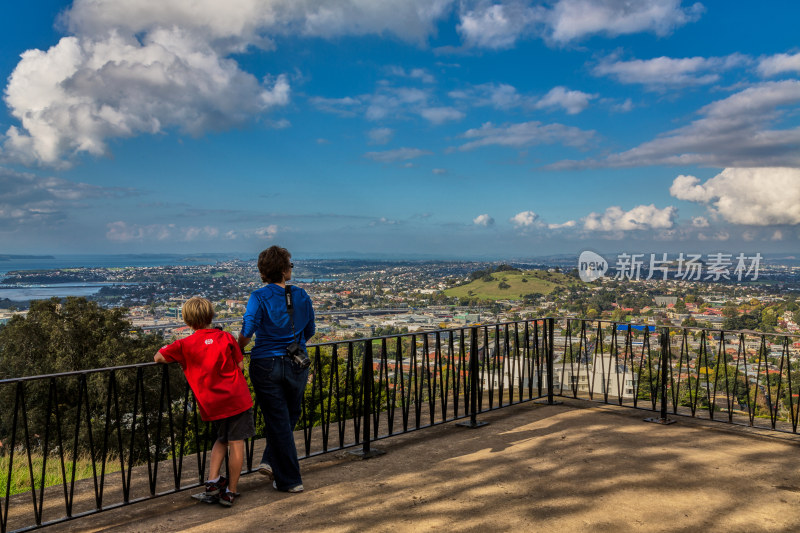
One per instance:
(273, 263)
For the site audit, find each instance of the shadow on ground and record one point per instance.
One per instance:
(572, 467)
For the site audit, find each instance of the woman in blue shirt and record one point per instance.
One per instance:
(278, 381)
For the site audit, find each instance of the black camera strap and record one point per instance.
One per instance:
(290, 308)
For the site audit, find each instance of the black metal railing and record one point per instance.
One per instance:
(739, 377)
(79, 443)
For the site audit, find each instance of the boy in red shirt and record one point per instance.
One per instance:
(213, 365)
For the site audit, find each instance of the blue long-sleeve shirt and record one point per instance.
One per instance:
(266, 317)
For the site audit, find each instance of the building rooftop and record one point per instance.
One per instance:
(578, 466)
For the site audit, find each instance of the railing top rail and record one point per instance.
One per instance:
(653, 328)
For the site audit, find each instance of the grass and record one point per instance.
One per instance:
(519, 284)
(20, 474)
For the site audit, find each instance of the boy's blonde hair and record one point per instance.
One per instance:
(197, 312)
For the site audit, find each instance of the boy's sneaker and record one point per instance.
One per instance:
(293, 490)
(266, 470)
(227, 498)
(213, 488)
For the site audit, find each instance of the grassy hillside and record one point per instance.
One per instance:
(519, 284)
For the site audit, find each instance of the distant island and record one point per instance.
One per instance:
(7, 257)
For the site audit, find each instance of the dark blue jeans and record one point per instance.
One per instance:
(279, 385)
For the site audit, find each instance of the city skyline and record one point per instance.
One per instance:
(402, 128)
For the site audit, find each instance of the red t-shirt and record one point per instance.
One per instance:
(210, 360)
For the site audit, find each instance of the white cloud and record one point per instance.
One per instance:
(394, 101)
(639, 218)
(571, 20)
(525, 134)
(563, 225)
(777, 236)
(572, 101)
(415, 73)
(440, 171)
(237, 24)
(661, 72)
(779, 63)
(688, 188)
(143, 67)
(483, 220)
(524, 219)
(122, 232)
(749, 196)
(267, 232)
(380, 135)
(732, 132)
(27, 199)
(497, 95)
(346, 106)
(494, 25)
(623, 107)
(700, 222)
(440, 115)
(81, 92)
(399, 154)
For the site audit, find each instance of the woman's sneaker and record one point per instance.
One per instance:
(293, 490)
(213, 488)
(227, 498)
(266, 470)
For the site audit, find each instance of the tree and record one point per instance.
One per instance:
(75, 334)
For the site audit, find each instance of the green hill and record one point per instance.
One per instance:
(512, 285)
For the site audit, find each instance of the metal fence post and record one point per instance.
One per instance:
(549, 356)
(665, 351)
(367, 378)
(473, 382)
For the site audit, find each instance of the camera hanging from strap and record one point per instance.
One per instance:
(290, 308)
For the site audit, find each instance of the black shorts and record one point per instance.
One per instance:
(236, 427)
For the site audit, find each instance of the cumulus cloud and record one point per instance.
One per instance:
(700, 222)
(732, 132)
(572, 101)
(131, 68)
(440, 171)
(81, 92)
(778, 64)
(483, 220)
(525, 134)
(380, 135)
(27, 199)
(399, 154)
(524, 219)
(749, 196)
(661, 72)
(639, 218)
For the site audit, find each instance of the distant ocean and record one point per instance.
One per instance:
(11, 263)
(36, 292)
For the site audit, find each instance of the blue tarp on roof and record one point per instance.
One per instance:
(624, 327)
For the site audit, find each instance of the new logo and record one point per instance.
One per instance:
(591, 266)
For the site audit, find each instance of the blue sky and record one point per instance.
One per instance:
(435, 128)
